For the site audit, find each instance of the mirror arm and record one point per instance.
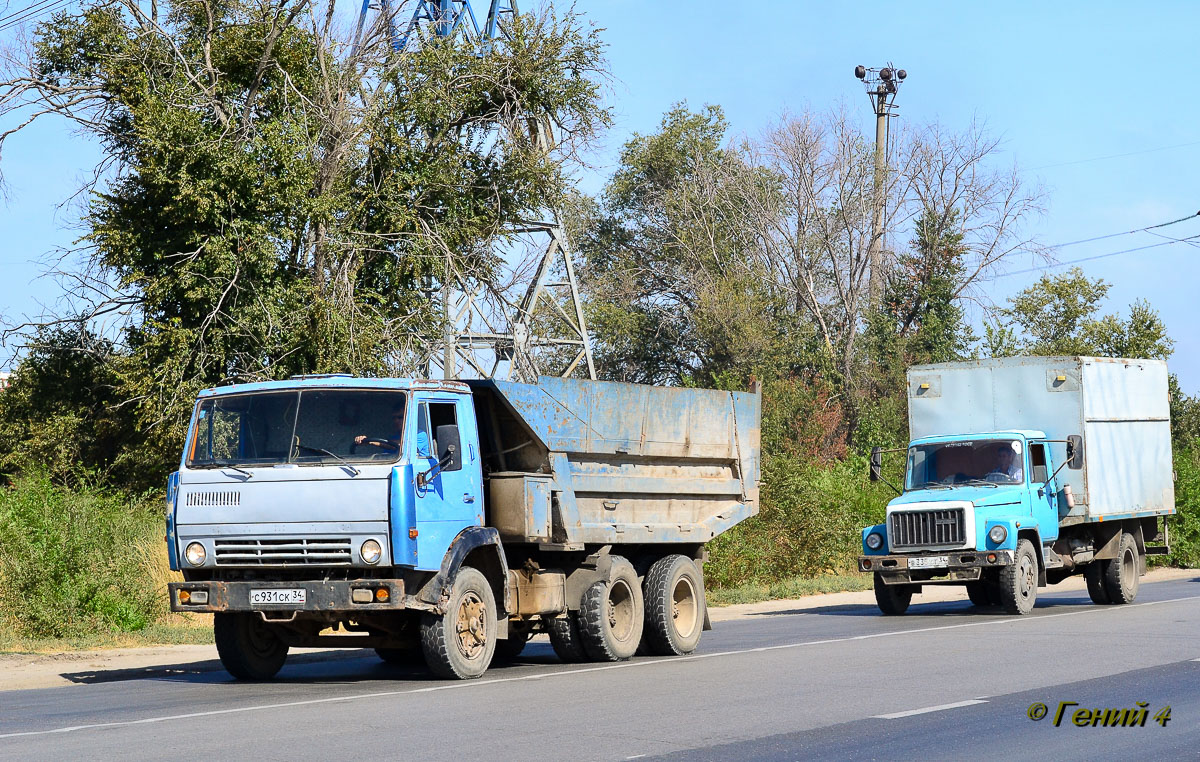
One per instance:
(425, 477)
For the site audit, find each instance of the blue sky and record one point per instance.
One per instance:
(1063, 84)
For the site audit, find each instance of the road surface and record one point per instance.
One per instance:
(837, 681)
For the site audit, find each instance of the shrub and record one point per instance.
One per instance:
(809, 523)
(1185, 527)
(73, 561)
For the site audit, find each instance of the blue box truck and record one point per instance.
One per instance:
(1023, 471)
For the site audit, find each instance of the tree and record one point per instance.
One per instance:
(273, 203)
(1055, 316)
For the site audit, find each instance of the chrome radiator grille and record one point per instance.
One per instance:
(918, 529)
(292, 551)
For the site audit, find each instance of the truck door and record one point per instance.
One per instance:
(1045, 504)
(451, 498)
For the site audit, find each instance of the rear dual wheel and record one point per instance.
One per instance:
(674, 594)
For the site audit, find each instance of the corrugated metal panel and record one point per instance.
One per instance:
(1125, 466)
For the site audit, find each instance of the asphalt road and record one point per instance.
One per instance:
(842, 682)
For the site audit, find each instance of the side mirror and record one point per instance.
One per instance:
(449, 449)
(1075, 452)
(876, 472)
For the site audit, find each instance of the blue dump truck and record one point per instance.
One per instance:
(453, 520)
(1023, 471)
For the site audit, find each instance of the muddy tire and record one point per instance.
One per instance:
(892, 600)
(1094, 573)
(612, 614)
(248, 647)
(674, 596)
(459, 644)
(564, 637)
(1018, 582)
(1121, 578)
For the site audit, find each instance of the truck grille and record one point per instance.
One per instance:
(302, 551)
(916, 529)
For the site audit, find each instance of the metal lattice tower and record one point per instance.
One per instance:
(472, 334)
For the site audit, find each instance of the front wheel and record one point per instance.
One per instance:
(1094, 573)
(249, 649)
(1122, 578)
(459, 643)
(893, 600)
(1018, 582)
(983, 594)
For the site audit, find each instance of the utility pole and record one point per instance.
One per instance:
(538, 335)
(882, 86)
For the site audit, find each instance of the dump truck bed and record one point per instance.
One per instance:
(572, 461)
(1119, 406)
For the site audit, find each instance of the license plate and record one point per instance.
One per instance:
(265, 597)
(929, 562)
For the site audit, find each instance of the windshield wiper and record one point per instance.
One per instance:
(932, 485)
(235, 467)
(322, 451)
(980, 483)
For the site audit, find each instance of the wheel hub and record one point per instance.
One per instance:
(469, 628)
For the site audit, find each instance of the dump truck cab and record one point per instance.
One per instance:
(452, 520)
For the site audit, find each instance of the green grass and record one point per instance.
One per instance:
(793, 587)
(181, 632)
(79, 563)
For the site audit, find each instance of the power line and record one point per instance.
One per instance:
(1116, 155)
(1191, 240)
(31, 11)
(1126, 232)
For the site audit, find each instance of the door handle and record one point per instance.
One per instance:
(468, 497)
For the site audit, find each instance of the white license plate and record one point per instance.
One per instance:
(929, 562)
(265, 597)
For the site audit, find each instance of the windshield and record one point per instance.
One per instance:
(310, 427)
(978, 461)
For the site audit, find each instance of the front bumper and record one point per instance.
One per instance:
(323, 595)
(961, 566)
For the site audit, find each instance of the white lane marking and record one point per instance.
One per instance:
(928, 709)
(467, 684)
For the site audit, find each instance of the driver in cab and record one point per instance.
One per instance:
(390, 442)
(1008, 465)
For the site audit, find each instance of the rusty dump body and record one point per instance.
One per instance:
(570, 462)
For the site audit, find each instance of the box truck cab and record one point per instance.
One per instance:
(1078, 484)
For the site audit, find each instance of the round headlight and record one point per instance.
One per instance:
(997, 534)
(371, 551)
(194, 553)
(874, 541)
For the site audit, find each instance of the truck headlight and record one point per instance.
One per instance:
(874, 541)
(194, 553)
(371, 552)
(997, 534)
